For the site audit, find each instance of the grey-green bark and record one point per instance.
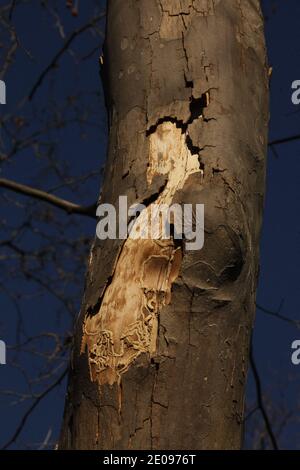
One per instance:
(197, 69)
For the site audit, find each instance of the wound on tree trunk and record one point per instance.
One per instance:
(161, 344)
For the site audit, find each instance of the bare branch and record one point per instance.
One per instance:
(67, 206)
(279, 316)
(284, 140)
(61, 51)
(260, 401)
(11, 9)
(31, 409)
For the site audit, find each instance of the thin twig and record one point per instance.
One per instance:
(11, 9)
(279, 316)
(31, 409)
(61, 51)
(260, 401)
(284, 140)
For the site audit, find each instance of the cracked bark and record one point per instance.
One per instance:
(187, 95)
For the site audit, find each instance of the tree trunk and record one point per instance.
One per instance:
(161, 345)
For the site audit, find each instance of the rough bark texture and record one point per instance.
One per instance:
(161, 344)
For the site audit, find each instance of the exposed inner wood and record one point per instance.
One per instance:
(127, 322)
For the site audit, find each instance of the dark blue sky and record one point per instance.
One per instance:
(82, 154)
(280, 244)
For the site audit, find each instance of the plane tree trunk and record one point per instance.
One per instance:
(161, 344)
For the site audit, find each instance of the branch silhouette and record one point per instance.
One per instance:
(69, 207)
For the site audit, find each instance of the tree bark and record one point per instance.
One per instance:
(161, 344)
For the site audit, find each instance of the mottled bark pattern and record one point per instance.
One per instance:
(181, 73)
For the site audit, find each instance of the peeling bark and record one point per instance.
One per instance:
(161, 344)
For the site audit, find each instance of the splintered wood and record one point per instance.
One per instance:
(127, 322)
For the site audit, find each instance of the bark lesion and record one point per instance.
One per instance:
(126, 324)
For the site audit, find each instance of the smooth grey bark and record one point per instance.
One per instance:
(193, 72)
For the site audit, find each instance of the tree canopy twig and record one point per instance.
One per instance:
(279, 316)
(260, 401)
(57, 56)
(284, 140)
(32, 407)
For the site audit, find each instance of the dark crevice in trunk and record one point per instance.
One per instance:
(197, 106)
